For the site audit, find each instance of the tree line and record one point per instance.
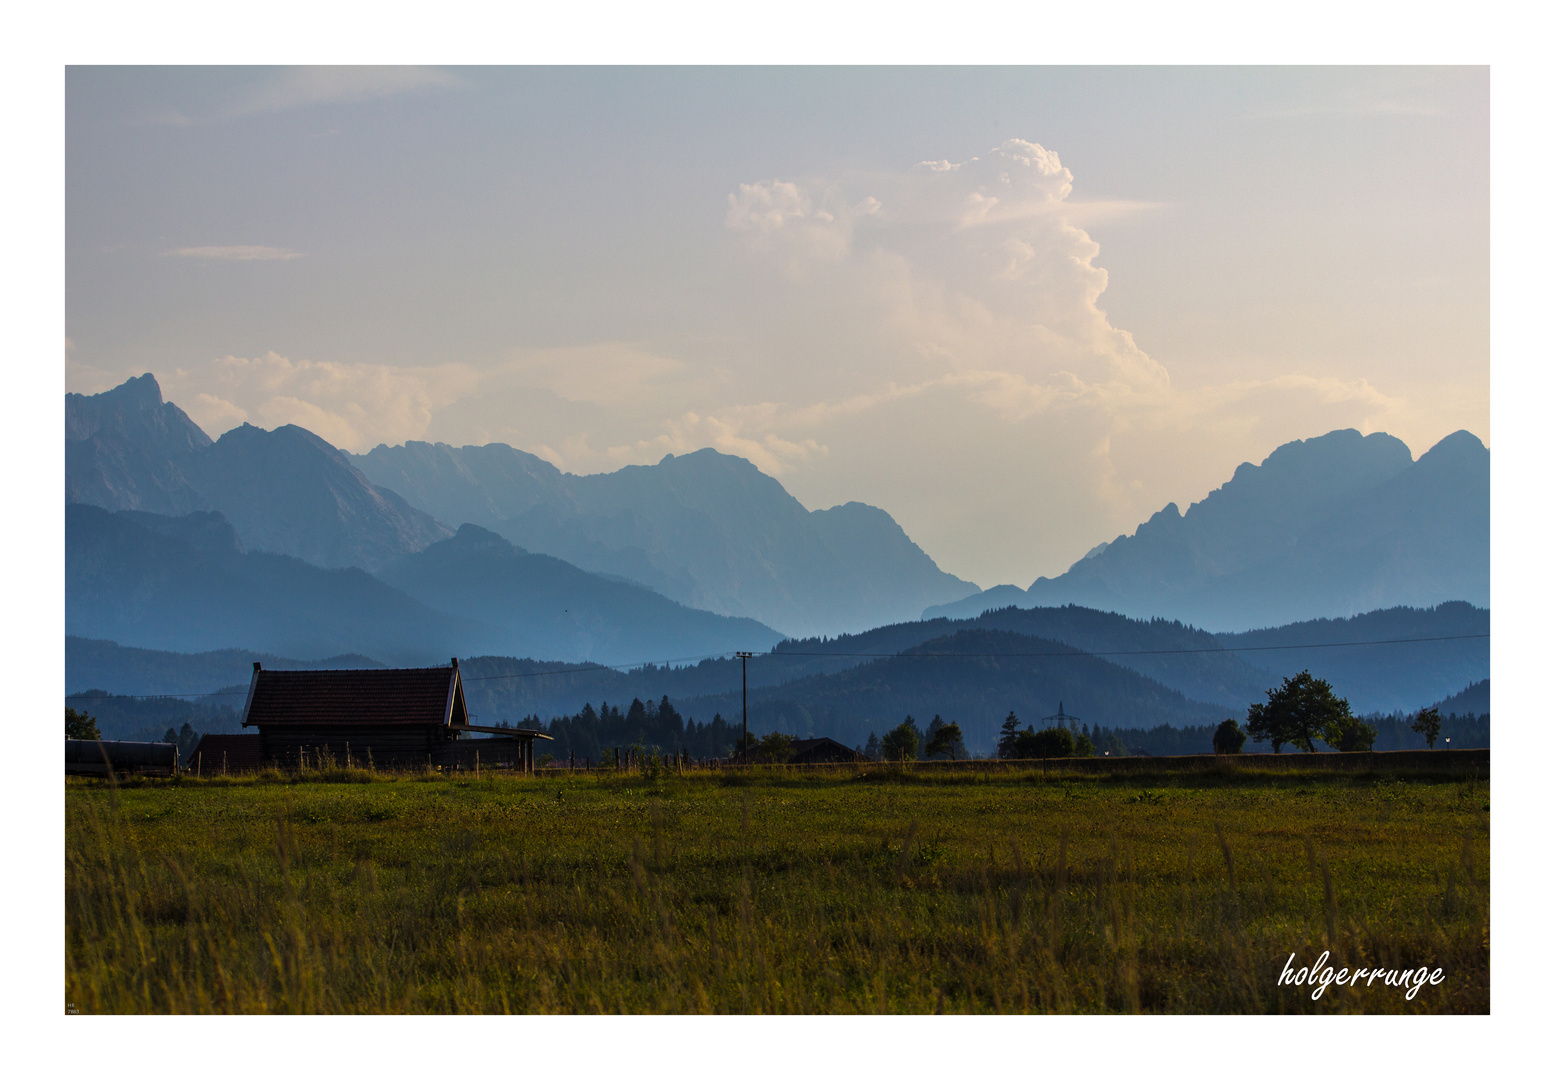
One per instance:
(593, 734)
(1303, 712)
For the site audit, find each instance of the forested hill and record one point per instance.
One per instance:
(1195, 664)
(1408, 674)
(90, 662)
(972, 677)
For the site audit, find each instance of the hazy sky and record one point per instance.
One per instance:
(1020, 309)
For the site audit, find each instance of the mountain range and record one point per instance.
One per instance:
(1325, 527)
(1104, 667)
(285, 491)
(276, 541)
(707, 529)
(185, 583)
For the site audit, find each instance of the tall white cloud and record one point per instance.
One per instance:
(932, 340)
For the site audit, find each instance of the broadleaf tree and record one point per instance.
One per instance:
(1298, 712)
(1429, 724)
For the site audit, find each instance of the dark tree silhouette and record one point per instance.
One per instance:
(1007, 734)
(901, 742)
(775, 748)
(1429, 724)
(78, 725)
(1229, 737)
(1299, 712)
(1049, 743)
(1349, 733)
(945, 741)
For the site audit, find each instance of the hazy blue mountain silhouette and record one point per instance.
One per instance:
(975, 691)
(1405, 675)
(125, 448)
(186, 584)
(286, 491)
(543, 606)
(1472, 700)
(707, 529)
(1325, 527)
(93, 662)
(1200, 666)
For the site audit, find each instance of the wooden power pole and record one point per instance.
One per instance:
(745, 736)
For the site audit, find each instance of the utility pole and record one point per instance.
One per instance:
(744, 709)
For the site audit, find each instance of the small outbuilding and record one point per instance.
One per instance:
(223, 755)
(97, 757)
(383, 717)
(822, 751)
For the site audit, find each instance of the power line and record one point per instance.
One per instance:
(1156, 652)
(585, 669)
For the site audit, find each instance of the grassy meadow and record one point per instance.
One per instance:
(834, 890)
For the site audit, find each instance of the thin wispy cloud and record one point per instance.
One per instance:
(1353, 108)
(237, 253)
(298, 88)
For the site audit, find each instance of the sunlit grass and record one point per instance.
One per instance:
(831, 891)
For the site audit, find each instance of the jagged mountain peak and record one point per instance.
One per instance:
(1327, 526)
(707, 529)
(285, 490)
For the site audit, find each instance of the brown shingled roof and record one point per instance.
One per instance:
(376, 697)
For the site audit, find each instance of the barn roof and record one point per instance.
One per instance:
(376, 697)
(814, 751)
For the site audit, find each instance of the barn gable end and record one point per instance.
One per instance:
(392, 716)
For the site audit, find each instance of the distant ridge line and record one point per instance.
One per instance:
(586, 668)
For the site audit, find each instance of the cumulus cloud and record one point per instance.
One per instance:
(961, 317)
(354, 406)
(932, 340)
(963, 266)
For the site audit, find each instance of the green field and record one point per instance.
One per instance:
(839, 890)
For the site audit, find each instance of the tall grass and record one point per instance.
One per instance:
(843, 891)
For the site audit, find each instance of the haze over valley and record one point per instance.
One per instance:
(276, 543)
(951, 391)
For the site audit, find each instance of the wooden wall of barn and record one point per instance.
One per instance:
(399, 746)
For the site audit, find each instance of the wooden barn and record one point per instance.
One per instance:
(223, 755)
(385, 717)
(822, 751)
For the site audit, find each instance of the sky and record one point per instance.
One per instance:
(1021, 309)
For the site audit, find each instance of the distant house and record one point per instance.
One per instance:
(388, 717)
(822, 752)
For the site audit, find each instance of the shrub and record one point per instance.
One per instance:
(901, 742)
(775, 748)
(1349, 733)
(1051, 742)
(1229, 737)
